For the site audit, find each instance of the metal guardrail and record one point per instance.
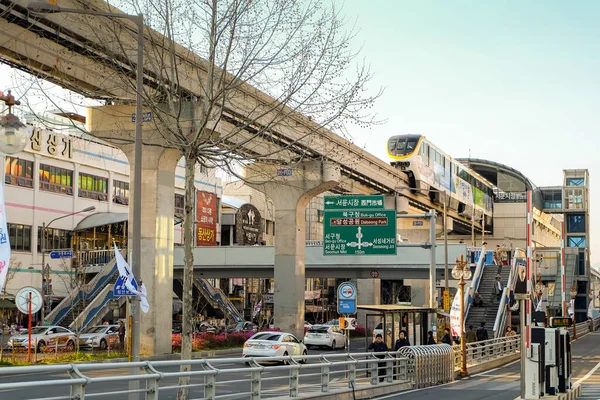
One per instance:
(487, 350)
(429, 365)
(416, 366)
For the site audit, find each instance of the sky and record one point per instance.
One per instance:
(510, 81)
(516, 82)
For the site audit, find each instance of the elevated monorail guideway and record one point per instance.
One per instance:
(61, 48)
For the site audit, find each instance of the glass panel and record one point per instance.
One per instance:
(576, 241)
(576, 223)
(575, 181)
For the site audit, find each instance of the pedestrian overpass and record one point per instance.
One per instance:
(258, 262)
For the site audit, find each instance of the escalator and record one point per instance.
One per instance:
(206, 294)
(69, 309)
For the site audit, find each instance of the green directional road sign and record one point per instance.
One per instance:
(359, 232)
(353, 202)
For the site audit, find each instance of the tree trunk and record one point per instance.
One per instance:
(188, 274)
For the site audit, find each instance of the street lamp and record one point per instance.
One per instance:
(136, 244)
(13, 135)
(445, 200)
(462, 272)
(46, 269)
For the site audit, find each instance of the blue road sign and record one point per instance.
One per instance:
(121, 290)
(61, 254)
(346, 298)
(346, 306)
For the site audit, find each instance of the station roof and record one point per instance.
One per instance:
(488, 168)
(100, 219)
(393, 308)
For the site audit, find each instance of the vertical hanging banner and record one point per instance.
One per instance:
(206, 219)
(4, 243)
(529, 254)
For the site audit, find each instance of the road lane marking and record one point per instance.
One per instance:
(588, 374)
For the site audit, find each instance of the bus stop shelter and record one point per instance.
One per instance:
(394, 318)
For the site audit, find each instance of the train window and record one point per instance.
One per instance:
(392, 145)
(400, 147)
(410, 147)
(438, 158)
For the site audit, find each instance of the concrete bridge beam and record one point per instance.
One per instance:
(291, 189)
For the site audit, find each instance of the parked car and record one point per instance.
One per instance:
(325, 335)
(44, 336)
(205, 327)
(243, 326)
(274, 344)
(101, 336)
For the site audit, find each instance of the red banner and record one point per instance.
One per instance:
(206, 219)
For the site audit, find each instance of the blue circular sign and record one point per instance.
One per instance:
(347, 291)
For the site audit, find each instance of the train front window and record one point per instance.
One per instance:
(400, 147)
(410, 147)
(392, 145)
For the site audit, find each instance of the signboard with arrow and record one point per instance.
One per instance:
(360, 232)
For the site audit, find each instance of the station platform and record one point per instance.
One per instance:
(504, 383)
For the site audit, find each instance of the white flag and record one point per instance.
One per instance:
(127, 275)
(4, 243)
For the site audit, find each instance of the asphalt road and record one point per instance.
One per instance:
(504, 383)
(274, 380)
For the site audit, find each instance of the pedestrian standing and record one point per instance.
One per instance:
(447, 339)
(378, 346)
(430, 338)
(122, 335)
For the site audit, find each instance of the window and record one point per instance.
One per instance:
(18, 172)
(552, 199)
(576, 241)
(55, 179)
(576, 223)
(120, 192)
(93, 187)
(20, 237)
(392, 145)
(575, 182)
(320, 216)
(179, 205)
(56, 239)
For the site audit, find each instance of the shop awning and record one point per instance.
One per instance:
(100, 219)
(6, 304)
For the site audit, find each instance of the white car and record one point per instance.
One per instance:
(325, 335)
(101, 336)
(274, 344)
(45, 336)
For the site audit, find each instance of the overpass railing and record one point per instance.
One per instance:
(487, 350)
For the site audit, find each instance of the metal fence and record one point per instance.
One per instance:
(487, 350)
(429, 365)
(416, 366)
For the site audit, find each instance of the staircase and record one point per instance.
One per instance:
(489, 311)
(69, 309)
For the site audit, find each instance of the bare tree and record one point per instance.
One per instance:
(225, 78)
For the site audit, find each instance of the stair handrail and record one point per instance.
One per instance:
(500, 320)
(475, 280)
(89, 289)
(94, 308)
(219, 296)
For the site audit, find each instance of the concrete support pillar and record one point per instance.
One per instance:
(113, 124)
(291, 189)
(158, 197)
(369, 293)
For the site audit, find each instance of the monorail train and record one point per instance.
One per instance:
(430, 168)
